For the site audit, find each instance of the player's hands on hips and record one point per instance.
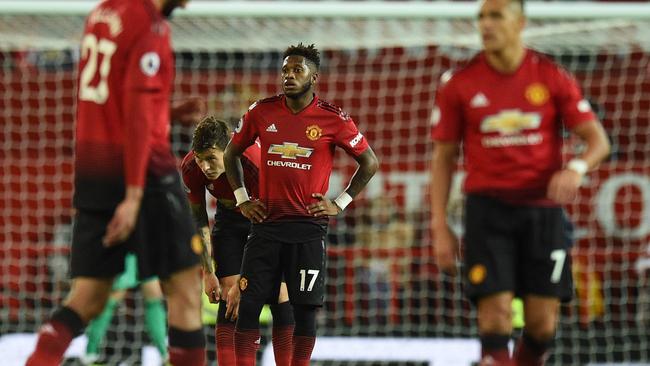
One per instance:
(445, 246)
(253, 210)
(211, 287)
(188, 111)
(122, 223)
(324, 207)
(232, 302)
(564, 185)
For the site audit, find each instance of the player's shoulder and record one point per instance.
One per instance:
(465, 71)
(144, 19)
(265, 103)
(188, 164)
(332, 108)
(546, 63)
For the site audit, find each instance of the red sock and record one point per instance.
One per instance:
(53, 340)
(225, 335)
(302, 348)
(187, 356)
(496, 357)
(527, 354)
(247, 341)
(283, 345)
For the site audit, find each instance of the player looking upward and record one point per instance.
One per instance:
(508, 107)
(298, 133)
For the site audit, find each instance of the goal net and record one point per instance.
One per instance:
(381, 63)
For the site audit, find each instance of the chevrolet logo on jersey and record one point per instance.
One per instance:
(511, 121)
(290, 150)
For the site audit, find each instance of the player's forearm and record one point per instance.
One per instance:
(200, 216)
(368, 166)
(134, 193)
(232, 164)
(206, 256)
(442, 169)
(598, 147)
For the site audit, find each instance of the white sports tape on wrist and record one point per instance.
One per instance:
(343, 200)
(241, 195)
(578, 165)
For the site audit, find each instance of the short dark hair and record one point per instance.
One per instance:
(310, 53)
(210, 133)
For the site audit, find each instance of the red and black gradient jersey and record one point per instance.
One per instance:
(125, 79)
(196, 182)
(510, 124)
(297, 152)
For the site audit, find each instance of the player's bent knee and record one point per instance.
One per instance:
(495, 316)
(88, 297)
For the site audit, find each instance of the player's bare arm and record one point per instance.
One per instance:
(210, 281)
(368, 166)
(445, 155)
(124, 218)
(564, 185)
(254, 210)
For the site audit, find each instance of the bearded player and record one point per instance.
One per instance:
(298, 133)
(128, 192)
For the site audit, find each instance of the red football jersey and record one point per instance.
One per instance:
(125, 79)
(510, 124)
(196, 182)
(297, 151)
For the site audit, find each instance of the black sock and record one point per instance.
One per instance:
(70, 319)
(305, 318)
(282, 314)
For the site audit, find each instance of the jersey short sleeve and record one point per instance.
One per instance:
(446, 117)
(572, 106)
(144, 64)
(350, 139)
(193, 181)
(246, 130)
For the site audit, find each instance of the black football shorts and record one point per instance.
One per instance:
(267, 260)
(522, 249)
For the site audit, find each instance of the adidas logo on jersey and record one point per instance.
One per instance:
(479, 100)
(271, 128)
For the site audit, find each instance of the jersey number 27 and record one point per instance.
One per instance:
(91, 48)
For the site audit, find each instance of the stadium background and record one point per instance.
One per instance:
(382, 282)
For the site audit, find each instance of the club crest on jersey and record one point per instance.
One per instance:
(243, 283)
(537, 94)
(150, 63)
(197, 245)
(290, 150)
(314, 132)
